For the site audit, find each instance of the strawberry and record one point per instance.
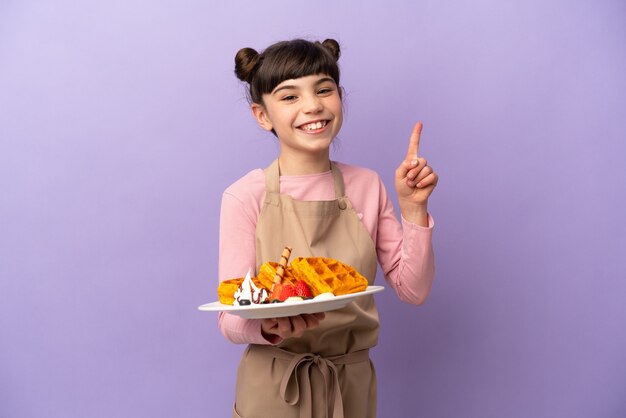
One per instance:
(276, 289)
(286, 292)
(303, 290)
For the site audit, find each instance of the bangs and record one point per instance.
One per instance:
(294, 59)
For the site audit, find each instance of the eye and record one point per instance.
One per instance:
(289, 98)
(325, 90)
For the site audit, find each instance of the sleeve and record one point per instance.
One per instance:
(405, 253)
(237, 254)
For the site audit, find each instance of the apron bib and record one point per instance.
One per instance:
(327, 371)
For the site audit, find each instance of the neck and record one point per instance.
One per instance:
(297, 165)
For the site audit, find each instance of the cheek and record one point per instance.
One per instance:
(338, 109)
(338, 124)
(284, 122)
(339, 115)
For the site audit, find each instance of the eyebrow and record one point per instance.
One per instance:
(292, 87)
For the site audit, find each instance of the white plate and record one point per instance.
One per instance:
(277, 310)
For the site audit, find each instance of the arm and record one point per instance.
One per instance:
(237, 254)
(408, 261)
(405, 253)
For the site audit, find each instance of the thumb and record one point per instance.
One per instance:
(403, 169)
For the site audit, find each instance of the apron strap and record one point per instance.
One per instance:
(338, 181)
(295, 386)
(272, 179)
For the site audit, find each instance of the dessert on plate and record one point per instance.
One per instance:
(304, 278)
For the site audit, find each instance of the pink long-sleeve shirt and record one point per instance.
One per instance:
(404, 249)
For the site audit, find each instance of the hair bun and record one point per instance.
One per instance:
(245, 62)
(333, 47)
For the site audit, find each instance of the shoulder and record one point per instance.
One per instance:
(250, 186)
(245, 196)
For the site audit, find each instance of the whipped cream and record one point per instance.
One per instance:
(248, 293)
(324, 296)
(293, 299)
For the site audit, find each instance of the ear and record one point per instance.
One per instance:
(261, 116)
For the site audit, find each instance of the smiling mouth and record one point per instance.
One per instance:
(313, 126)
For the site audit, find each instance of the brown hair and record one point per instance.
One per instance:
(285, 61)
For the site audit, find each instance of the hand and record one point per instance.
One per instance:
(291, 326)
(415, 181)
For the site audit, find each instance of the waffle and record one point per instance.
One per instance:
(227, 288)
(268, 271)
(321, 274)
(328, 275)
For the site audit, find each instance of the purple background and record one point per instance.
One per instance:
(121, 123)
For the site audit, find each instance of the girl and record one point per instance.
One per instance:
(317, 365)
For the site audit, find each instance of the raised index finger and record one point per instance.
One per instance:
(414, 142)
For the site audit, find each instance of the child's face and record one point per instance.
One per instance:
(306, 113)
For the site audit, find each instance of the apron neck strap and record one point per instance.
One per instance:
(337, 180)
(272, 179)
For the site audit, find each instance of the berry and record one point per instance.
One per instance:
(303, 290)
(276, 289)
(286, 292)
(282, 291)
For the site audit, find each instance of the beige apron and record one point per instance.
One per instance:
(326, 372)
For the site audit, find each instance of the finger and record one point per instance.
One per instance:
(311, 321)
(403, 169)
(423, 173)
(284, 326)
(319, 316)
(430, 180)
(412, 173)
(298, 325)
(414, 142)
(269, 322)
(269, 326)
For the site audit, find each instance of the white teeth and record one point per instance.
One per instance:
(314, 125)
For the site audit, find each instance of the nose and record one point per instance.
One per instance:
(312, 104)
